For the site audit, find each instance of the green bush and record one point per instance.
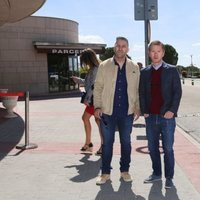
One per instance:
(83, 71)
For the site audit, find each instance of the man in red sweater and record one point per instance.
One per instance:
(160, 94)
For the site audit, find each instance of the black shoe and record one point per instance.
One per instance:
(152, 179)
(99, 152)
(168, 183)
(87, 147)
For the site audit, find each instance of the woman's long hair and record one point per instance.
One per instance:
(88, 57)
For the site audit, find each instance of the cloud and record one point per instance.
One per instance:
(196, 44)
(91, 39)
(138, 48)
(186, 56)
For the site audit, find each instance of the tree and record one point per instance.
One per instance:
(109, 53)
(171, 56)
(83, 71)
(192, 71)
(184, 74)
(180, 68)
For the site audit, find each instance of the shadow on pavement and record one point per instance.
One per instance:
(156, 192)
(86, 171)
(124, 192)
(11, 132)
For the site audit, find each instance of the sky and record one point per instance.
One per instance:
(101, 21)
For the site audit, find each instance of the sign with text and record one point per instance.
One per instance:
(66, 51)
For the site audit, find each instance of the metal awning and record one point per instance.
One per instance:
(67, 48)
(15, 10)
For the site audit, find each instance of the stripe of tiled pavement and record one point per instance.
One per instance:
(57, 170)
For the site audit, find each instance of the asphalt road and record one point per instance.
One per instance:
(189, 112)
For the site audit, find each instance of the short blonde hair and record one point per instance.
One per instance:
(156, 42)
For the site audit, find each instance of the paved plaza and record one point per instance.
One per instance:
(56, 170)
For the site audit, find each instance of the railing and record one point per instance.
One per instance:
(27, 144)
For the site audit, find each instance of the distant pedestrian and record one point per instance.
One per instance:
(116, 102)
(89, 59)
(140, 65)
(160, 95)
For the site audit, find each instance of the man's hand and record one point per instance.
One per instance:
(98, 113)
(169, 115)
(86, 103)
(136, 115)
(146, 115)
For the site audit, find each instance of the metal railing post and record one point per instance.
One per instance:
(27, 118)
(27, 144)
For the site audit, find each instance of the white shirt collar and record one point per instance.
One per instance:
(156, 67)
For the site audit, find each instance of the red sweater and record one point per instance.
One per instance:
(156, 93)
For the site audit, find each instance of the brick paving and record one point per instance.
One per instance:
(57, 169)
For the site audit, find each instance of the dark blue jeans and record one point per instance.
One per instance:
(108, 125)
(157, 125)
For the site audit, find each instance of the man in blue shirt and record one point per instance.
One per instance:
(116, 102)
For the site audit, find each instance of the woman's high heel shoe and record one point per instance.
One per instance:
(87, 147)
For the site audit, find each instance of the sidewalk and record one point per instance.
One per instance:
(56, 170)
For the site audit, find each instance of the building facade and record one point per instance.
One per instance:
(39, 54)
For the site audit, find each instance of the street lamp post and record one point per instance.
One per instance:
(192, 80)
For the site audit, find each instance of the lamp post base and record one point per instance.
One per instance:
(27, 146)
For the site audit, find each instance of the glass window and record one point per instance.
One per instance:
(60, 69)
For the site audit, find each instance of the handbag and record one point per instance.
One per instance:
(83, 97)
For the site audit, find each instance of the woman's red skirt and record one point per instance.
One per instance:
(90, 110)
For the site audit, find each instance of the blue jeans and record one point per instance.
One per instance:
(157, 125)
(108, 125)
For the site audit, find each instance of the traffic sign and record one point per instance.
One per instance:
(146, 9)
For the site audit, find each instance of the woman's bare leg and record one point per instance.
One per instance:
(87, 125)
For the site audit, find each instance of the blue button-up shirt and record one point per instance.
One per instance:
(120, 106)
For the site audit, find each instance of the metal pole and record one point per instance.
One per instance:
(146, 32)
(192, 71)
(146, 42)
(27, 118)
(27, 144)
